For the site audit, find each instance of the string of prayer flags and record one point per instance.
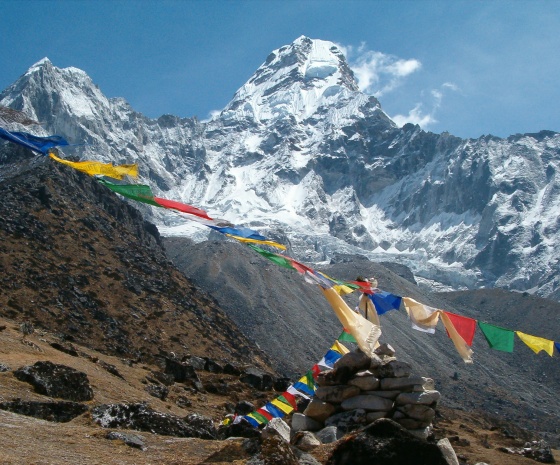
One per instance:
(536, 344)
(36, 143)
(306, 384)
(465, 326)
(497, 338)
(423, 317)
(384, 302)
(94, 168)
(273, 257)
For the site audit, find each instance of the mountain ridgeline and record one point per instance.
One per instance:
(300, 153)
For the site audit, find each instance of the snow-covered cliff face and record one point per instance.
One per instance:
(303, 155)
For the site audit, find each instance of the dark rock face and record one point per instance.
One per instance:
(180, 371)
(385, 442)
(60, 412)
(142, 418)
(56, 380)
(257, 378)
(238, 430)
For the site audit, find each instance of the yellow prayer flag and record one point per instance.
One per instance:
(96, 168)
(536, 344)
(342, 289)
(257, 241)
(282, 406)
(338, 347)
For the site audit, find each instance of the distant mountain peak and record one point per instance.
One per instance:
(295, 79)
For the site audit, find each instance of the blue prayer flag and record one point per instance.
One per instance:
(557, 344)
(304, 388)
(35, 143)
(274, 411)
(253, 422)
(241, 232)
(330, 357)
(384, 302)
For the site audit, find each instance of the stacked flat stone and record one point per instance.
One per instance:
(360, 389)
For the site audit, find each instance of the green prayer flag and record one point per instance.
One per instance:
(347, 337)
(498, 338)
(138, 192)
(273, 257)
(257, 416)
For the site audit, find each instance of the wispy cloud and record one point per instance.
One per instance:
(378, 73)
(418, 115)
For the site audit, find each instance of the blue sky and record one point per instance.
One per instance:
(468, 67)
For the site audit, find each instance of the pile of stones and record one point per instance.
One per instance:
(361, 389)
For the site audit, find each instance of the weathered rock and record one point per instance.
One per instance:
(448, 452)
(335, 377)
(4, 367)
(365, 383)
(410, 423)
(385, 349)
(180, 371)
(372, 416)
(278, 427)
(56, 381)
(418, 412)
(281, 384)
(110, 368)
(275, 451)
(304, 458)
(257, 378)
(301, 422)
(212, 366)
(422, 433)
(305, 440)
(387, 443)
(328, 434)
(132, 440)
(66, 348)
(204, 425)
(426, 397)
(355, 361)
(367, 402)
(394, 369)
(231, 369)
(244, 407)
(319, 410)
(157, 390)
(375, 363)
(386, 394)
(60, 412)
(536, 450)
(238, 430)
(336, 394)
(348, 421)
(400, 384)
(142, 418)
(197, 363)
(163, 378)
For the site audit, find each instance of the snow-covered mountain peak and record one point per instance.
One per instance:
(294, 81)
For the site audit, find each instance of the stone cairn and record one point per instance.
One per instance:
(361, 389)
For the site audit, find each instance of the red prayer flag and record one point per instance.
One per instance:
(182, 207)
(465, 326)
(315, 370)
(300, 267)
(290, 398)
(265, 414)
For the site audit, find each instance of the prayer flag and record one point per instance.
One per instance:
(254, 423)
(182, 207)
(273, 257)
(241, 232)
(557, 344)
(289, 399)
(338, 347)
(347, 337)
(465, 326)
(423, 317)
(497, 338)
(259, 418)
(458, 341)
(138, 192)
(35, 143)
(257, 241)
(331, 357)
(365, 332)
(272, 411)
(103, 169)
(536, 344)
(292, 390)
(383, 302)
(285, 408)
(266, 413)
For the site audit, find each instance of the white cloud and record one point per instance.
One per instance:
(418, 116)
(211, 116)
(378, 73)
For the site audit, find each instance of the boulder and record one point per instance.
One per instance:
(328, 434)
(410, 423)
(421, 433)
(335, 377)
(277, 427)
(386, 442)
(257, 378)
(56, 380)
(301, 422)
(197, 363)
(418, 412)
(132, 440)
(348, 421)
(386, 394)
(212, 366)
(60, 412)
(400, 384)
(367, 402)
(157, 390)
(336, 394)
(203, 425)
(4, 367)
(365, 383)
(140, 417)
(425, 398)
(319, 410)
(305, 440)
(242, 429)
(385, 349)
(180, 371)
(355, 361)
(394, 369)
(447, 451)
(274, 451)
(244, 407)
(372, 416)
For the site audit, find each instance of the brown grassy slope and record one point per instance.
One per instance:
(79, 261)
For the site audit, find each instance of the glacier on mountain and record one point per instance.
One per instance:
(305, 157)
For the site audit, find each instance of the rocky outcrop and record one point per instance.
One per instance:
(60, 412)
(56, 380)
